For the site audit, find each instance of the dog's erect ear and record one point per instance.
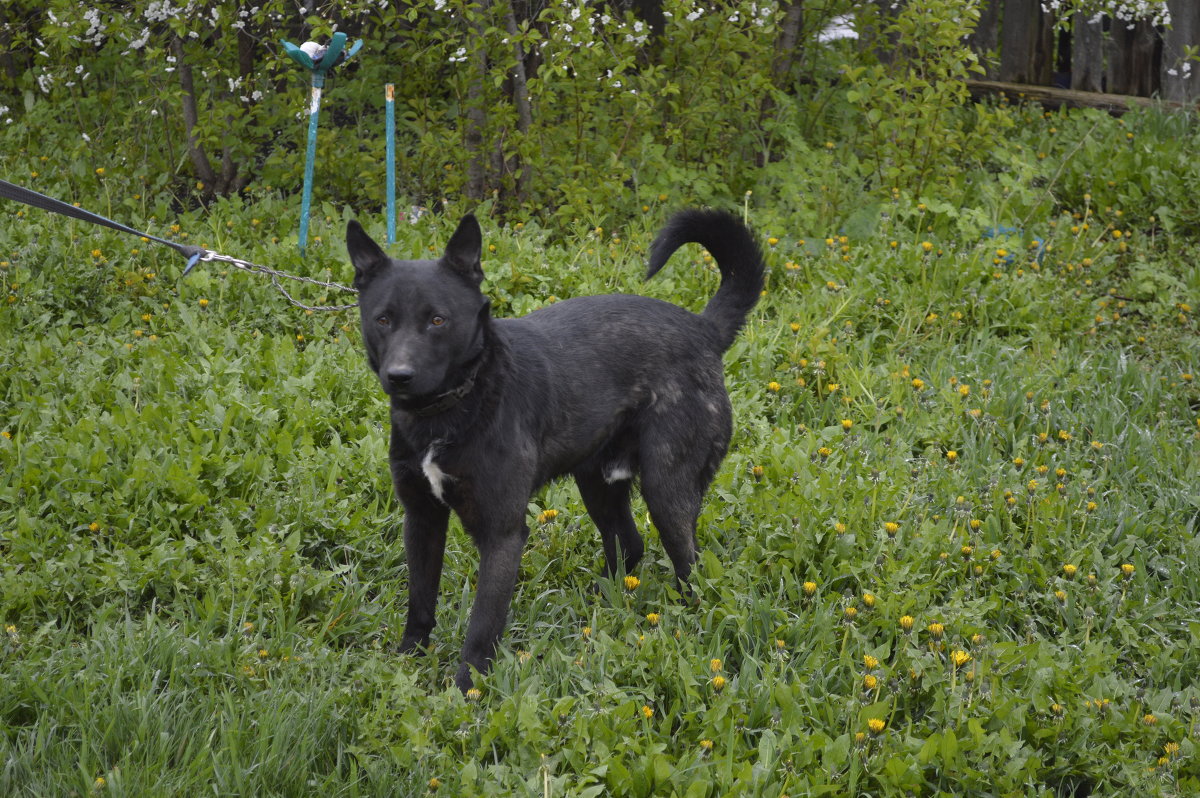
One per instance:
(465, 249)
(365, 254)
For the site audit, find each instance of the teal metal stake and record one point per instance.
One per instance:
(318, 61)
(390, 97)
(314, 111)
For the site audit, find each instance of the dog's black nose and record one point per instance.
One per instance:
(400, 375)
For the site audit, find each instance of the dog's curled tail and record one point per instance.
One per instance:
(738, 257)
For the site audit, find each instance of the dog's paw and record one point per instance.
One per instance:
(688, 597)
(462, 679)
(413, 644)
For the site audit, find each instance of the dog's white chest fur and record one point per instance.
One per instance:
(436, 476)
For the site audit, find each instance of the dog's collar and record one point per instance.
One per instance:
(444, 401)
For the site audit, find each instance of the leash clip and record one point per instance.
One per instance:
(196, 255)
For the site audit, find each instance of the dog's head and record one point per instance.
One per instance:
(422, 320)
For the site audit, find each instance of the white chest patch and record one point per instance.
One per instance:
(436, 476)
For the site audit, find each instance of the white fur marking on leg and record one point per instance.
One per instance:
(617, 473)
(434, 474)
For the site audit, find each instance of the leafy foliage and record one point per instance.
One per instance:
(948, 553)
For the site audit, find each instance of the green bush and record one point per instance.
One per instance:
(949, 551)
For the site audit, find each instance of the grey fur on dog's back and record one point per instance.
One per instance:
(605, 388)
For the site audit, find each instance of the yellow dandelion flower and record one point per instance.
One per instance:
(474, 694)
(876, 726)
(870, 662)
(958, 658)
(1069, 571)
(718, 682)
(631, 582)
(936, 630)
(810, 588)
(870, 682)
(652, 618)
(891, 527)
(647, 711)
(906, 623)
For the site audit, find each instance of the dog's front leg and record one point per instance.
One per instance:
(425, 521)
(499, 561)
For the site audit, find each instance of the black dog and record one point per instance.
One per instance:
(605, 388)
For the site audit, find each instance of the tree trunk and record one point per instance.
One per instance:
(883, 43)
(785, 44)
(476, 116)
(1179, 85)
(6, 56)
(520, 94)
(985, 37)
(191, 117)
(1026, 43)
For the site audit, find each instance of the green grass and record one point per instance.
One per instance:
(203, 583)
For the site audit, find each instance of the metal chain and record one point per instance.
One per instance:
(275, 274)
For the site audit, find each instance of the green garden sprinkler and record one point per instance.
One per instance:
(318, 60)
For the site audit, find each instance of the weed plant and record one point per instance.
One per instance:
(950, 551)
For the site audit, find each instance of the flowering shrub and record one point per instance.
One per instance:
(1157, 12)
(206, 94)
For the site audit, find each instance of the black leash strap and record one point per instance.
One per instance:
(193, 254)
(36, 200)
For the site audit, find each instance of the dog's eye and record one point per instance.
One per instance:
(383, 321)
(437, 321)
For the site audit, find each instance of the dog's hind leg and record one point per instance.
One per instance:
(677, 467)
(607, 502)
(674, 505)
